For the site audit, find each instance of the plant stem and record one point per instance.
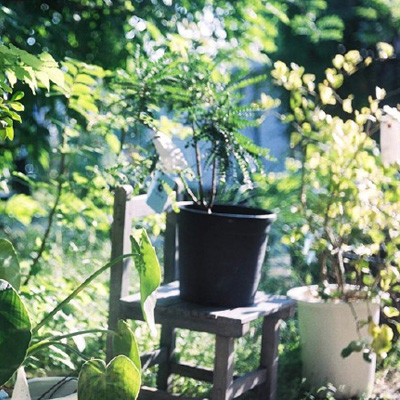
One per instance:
(357, 320)
(78, 290)
(323, 271)
(214, 184)
(55, 339)
(188, 190)
(198, 167)
(122, 141)
(59, 189)
(79, 333)
(46, 343)
(303, 191)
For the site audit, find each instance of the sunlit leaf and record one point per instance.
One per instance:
(15, 331)
(120, 379)
(9, 264)
(149, 270)
(124, 343)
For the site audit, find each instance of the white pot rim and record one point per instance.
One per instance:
(307, 294)
(49, 381)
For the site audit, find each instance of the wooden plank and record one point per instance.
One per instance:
(154, 357)
(200, 374)
(147, 393)
(269, 357)
(120, 244)
(227, 322)
(223, 369)
(249, 381)
(167, 341)
(171, 248)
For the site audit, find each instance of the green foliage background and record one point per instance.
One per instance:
(57, 174)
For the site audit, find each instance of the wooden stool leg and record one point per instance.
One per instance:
(167, 341)
(223, 368)
(269, 357)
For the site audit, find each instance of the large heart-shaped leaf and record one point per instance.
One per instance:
(147, 264)
(15, 331)
(120, 379)
(124, 343)
(9, 265)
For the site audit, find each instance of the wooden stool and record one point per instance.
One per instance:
(171, 312)
(227, 324)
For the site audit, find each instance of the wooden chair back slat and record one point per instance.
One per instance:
(127, 208)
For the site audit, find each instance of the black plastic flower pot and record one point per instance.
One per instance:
(221, 253)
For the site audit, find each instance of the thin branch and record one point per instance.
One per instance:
(303, 191)
(55, 339)
(59, 190)
(198, 166)
(323, 267)
(122, 141)
(214, 184)
(78, 333)
(48, 343)
(188, 190)
(356, 319)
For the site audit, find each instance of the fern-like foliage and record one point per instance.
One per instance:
(202, 99)
(208, 101)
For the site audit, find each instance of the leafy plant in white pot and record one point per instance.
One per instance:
(350, 206)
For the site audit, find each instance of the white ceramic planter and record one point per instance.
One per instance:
(62, 390)
(326, 328)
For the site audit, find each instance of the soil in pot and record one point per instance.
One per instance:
(221, 253)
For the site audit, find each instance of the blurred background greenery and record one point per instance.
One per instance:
(57, 175)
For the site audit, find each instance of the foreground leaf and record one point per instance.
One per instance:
(124, 343)
(15, 331)
(120, 379)
(9, 265)
(147, 264)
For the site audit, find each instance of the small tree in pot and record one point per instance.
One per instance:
(350, 205)
(221, 247)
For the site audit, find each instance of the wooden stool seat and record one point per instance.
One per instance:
(172, 312)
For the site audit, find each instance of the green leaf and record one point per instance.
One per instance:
(382, 343)
(12, 78)
(24, 208)
(113, 142)
(17, 96)
(147, 264)
(17, 106)
(120, 379)
(9, 132)
(86, 79)
(391, 312)
(15, 331)
(124, 343)
(354, 346)
(56, 76)
(44, 78)
(9, 264)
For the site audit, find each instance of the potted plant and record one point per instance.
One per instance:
(221, 246)
(349, 203)
(120, 378)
